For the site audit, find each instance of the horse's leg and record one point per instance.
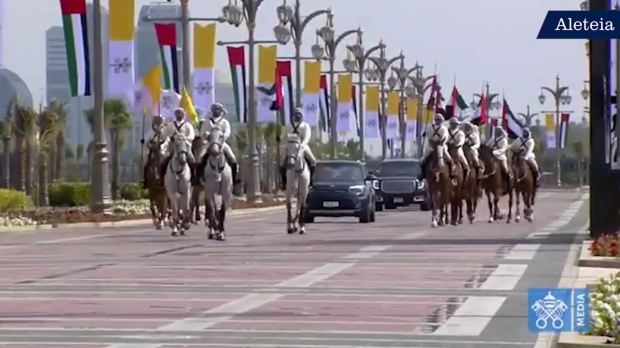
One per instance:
(510, 198)
(289, 217)
(210, 213)
(434, 208)
(518, 203)
(187, 213)
(496, 212)
(491, 210)
(221, 219)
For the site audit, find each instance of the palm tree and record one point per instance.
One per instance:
(5, 136)
(118, 121)
(25, 130)
(46, 140)
(60, 109)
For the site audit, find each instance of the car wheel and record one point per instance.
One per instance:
(378, 207)
(366, 215)
(390, 205)
(372, 216)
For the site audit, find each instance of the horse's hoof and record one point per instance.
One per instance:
(518, 219)
(174, 234)
(290, 230)
(434, 224)
(220, 237)
(302, 231)
(211, 236)
(491, 220)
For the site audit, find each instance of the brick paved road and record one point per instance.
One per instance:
(394, 283)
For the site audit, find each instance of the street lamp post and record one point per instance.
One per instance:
(492, 104)
(560, 96)
(420, 86)
(283, 34)
(100, 197)
(402, 74)
(235, 15)
(383, 65)
(357, 65)
(528, 116)
(328, 35)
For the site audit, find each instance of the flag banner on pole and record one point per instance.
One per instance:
(550, 130)
(482, 116)
(324, 103)
(286, 80)
(354, 108)
(510, 123)
(564, 123)
(431, 99)
(147, 92)
(457, 104)
(411, 123)
(393, 100)
(203, 81)
(169, 101)
(76, 44)
(428, 117)
(188, 105)
(345, 84)
(120, 51)
(236, 58)
(167, 40)
(311, 92)
(266, 88)
(372, 113)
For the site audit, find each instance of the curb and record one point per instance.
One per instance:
(124, 223)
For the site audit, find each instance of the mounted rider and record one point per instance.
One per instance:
(456, 140)
(525, 146)
(179, 128)
(217, 120)
(303, 130)
(499, 145)
(436, 134)
(154, 136)
(472, 140)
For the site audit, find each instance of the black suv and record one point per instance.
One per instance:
(397, 184)
(341, 188)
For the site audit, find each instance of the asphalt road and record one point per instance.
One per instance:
(393, 283)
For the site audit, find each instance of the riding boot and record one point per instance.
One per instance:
(234, 168)
(282, 178)
(144, 186)
(311, 174)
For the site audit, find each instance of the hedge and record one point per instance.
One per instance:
(69, 194)
(13, 200)
(133, 192)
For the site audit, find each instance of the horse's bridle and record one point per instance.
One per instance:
(220, 143)
(296, 156)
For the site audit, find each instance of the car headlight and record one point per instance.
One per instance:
(357, 189)
(421, 185)
(376, 184)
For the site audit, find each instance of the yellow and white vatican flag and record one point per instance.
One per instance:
(550, 130)
(371, 123)
(203, 82)
(312, 90)
(345, 100)
(266, 90)
(147, 92)
(169, 101)
(120, 51)
(411, 122)
(392, 115)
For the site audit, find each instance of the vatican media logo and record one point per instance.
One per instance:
(558, 310)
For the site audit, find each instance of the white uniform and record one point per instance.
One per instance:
(527, 146)
(499, 146)
(181, 129)
(439, 136)
(304, 131)
(151, 137)
(456, 139)
(472, 139)
(224, 126)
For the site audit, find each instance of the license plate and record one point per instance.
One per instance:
(330, 204)
(398, 200)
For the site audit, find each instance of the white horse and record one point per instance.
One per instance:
(217, 181)
(178, 184)
(297, 183)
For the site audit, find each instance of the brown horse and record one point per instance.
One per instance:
(198, 150)
(154, 183)
(439, 187)
(495, 183)
(471, 188)
(457, 187)
(524, 186)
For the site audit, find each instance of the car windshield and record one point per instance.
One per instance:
(334, 172)
(409, 168)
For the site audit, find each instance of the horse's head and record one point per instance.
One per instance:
(215, 139)
(293, 151)
(487, 158)
(180, 150)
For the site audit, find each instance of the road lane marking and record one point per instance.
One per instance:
(522, 252)
(472, 317)
(368, 252)
(504, 277)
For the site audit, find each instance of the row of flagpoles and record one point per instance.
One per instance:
(159, 91)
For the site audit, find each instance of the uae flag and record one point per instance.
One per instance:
(236, 58)
(457, 104)
(167, 40)
(510, 123)
(483, 115)
(564, 122)
(285, 77)
(324, 121)
(76, 44)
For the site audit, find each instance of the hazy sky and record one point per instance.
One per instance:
(473, 40)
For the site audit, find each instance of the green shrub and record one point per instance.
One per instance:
(69, 194)
(13, 200)
(133, 192)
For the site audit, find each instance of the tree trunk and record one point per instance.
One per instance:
(60, 156)
(114, 136)
(43, 192)
(21, 173)
(28, 169)
(6, 162)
